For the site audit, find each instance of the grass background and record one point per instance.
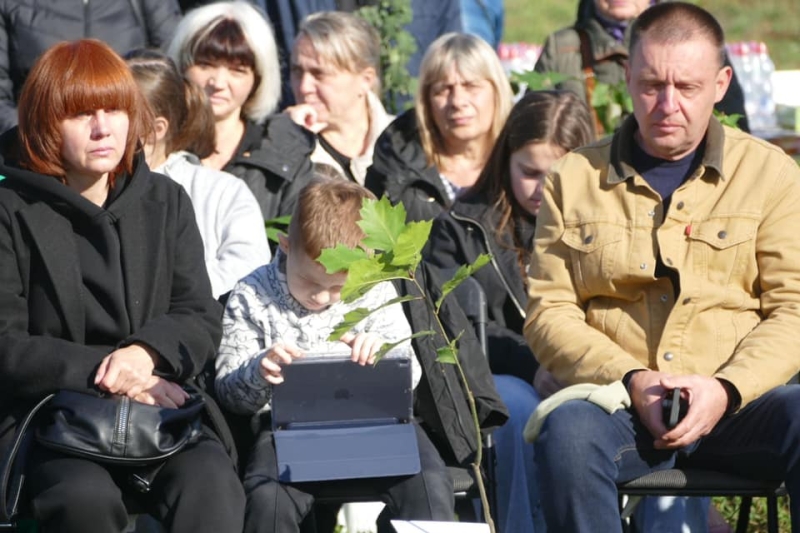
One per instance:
(776, 22)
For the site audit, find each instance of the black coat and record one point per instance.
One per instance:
(275, 163)
(29, 27)
(400, 171)
(43, 346)
(440, 399)
(458, 237)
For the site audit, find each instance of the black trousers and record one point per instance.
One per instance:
(275, 507)
(195, 491)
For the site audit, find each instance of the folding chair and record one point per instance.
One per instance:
(698, 482)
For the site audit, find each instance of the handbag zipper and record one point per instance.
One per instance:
(121, 429)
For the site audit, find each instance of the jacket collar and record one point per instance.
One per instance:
(138, 219)
(620, 167)
(280, 147)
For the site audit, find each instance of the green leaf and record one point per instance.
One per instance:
(275, 226)
(463, 272)
(449, 354)
(382, 223)
(407, 252)
(365, 274)
(537, 81)
(351, 318)
(340, 258)
(349, 321)
(731, 120)
(386, 348)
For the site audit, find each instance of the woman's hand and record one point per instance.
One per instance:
(305, 115)
(364, 346)
(161, 392)
(127, 370)
(279, 354)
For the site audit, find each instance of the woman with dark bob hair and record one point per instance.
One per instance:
(103, 289)
(228, 49)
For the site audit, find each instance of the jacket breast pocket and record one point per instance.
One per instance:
(723, 247)
(593, 251)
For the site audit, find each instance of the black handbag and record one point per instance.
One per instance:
(115, 429)
(109, 429)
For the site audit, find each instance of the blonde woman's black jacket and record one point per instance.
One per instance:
(401, 172)
(46, 343)
(458, 237)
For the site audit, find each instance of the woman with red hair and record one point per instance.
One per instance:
(103, 289)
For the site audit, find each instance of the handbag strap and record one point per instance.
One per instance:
(13, 477)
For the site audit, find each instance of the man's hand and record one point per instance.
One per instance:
(708, 401)
(305, 115)
(280, 354)
(364, 346)
(127, 370)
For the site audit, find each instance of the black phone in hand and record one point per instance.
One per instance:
(673, 407)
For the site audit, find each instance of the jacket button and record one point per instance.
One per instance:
(669, 356)
(246, 154)
(651, 214)
(588, 239)
(687, 301)
(285, 168)
(679, 205)
(668, 261)
(722, 234)
(643, 266)
(664, 298)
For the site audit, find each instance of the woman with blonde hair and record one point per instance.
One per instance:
(431, 154)
(335, 77)
(228, 49)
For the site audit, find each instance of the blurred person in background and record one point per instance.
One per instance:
(595, 50)
(29, 27)
(485, 19)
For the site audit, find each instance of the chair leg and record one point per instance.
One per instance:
(744, 514)
(772, 514)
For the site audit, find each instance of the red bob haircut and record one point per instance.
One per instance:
(68, 79)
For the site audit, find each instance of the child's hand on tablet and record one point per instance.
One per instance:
(271, 361)
(364, 346)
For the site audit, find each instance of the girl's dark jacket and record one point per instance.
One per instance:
(440, 399)
(458, 237)
(401, 172)
(44, 345)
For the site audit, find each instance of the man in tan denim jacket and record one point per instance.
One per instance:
(668, 256)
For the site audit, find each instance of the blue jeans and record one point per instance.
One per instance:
(671, 514)
(518, 508)
(583, 452)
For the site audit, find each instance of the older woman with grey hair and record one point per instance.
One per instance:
(335, 78)
(228, 49)
(431, 154)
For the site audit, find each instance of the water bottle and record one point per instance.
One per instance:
(766, 102)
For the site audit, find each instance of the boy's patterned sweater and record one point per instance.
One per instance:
(261, 313)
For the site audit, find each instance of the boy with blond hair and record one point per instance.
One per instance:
(288, 308)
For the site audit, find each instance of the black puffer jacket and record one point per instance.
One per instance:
(274, 161)
(439, 399)
(400, 171)
(29, 27)
(458, 237)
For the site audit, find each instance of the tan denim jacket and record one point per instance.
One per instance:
(732, 232)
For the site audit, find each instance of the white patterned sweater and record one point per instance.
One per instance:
(261, 313)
